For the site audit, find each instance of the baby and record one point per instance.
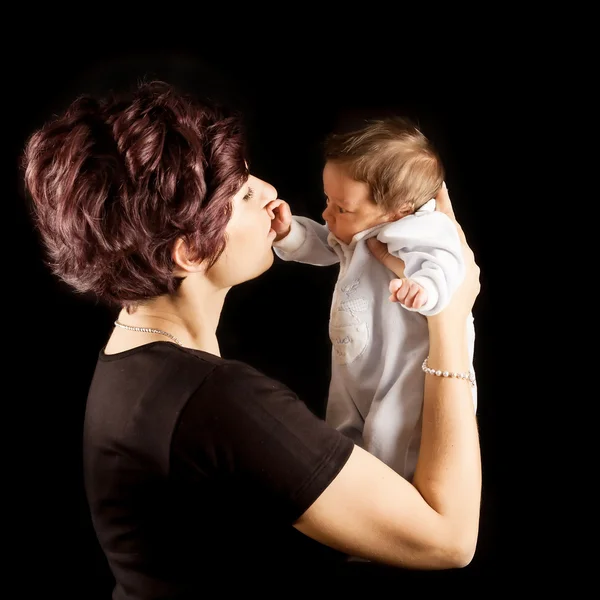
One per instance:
(380, 181)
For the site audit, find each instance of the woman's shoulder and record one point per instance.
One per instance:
(201, 369)
(162, 380)
(167, 354)
(236, 378)
(163, 369)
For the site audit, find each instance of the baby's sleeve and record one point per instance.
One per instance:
(430, 247)
(306, 243)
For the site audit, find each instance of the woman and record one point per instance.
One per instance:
(194, 464)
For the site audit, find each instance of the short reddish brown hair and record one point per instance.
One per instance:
(115, 182)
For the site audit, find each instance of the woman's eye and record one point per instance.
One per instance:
(249, 194)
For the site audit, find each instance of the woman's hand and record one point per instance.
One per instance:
(393, 263)
(464, 298)
(380, 252)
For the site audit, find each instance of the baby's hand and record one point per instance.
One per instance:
(408, 293)
(281, 216)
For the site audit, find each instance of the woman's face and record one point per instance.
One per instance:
(248, 250)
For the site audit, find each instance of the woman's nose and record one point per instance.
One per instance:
(269, 192)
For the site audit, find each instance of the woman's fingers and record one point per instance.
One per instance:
(380, 252)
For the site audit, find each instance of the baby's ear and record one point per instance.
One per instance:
(402, 211)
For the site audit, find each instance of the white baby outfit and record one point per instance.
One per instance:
(378, 346)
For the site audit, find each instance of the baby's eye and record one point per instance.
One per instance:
(341, 210)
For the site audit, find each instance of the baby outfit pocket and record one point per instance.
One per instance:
(348, 332)
(348, 341)
(349, 337)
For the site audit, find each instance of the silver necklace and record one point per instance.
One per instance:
(148, 330)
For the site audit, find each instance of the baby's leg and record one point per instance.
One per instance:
(343, 415)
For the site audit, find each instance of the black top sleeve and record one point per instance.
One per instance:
(243, 427)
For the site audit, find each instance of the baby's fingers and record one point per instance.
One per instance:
(281, 207)
(395, 285)
(419, 299)
(410, 294)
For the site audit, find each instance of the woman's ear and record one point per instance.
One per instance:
(184, 264)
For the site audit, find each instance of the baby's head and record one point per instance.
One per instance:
(382, 172)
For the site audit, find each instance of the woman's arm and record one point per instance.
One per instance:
(370, 511)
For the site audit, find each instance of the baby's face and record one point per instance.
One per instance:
(349, 209)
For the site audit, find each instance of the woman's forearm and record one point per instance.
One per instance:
(448, 472)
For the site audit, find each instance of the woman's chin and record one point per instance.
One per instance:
(268, 263)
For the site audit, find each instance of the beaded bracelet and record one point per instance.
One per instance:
(470, 377)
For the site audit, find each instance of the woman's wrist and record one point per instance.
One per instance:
(448, 348)
(446, 329)
(463, 375)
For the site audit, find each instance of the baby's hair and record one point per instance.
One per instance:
(394, 158)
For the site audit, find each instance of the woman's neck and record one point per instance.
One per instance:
(191, 317)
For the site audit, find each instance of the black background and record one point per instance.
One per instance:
(293, 89)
